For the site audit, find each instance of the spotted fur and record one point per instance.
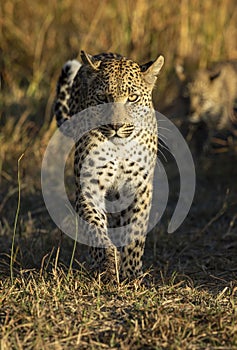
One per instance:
(114, 163)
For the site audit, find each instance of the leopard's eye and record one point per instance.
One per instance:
(102, 98)
(133, 98)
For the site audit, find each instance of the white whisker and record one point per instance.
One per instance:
(162, 137)
(163, 128)
(163, 155)
(165, 147)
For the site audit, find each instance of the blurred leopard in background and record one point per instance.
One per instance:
(212, 97)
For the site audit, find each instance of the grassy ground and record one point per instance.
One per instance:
(188, 297)
(56, 312)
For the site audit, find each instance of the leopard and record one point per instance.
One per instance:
(210, 94)
(114, 161)
(213, 93)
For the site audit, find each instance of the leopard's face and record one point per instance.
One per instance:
(101, 79)
(118, 81)
(207, 98)
(122, 83)
(203, 103)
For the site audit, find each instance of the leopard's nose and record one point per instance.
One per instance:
(116, 127)
(124, 130)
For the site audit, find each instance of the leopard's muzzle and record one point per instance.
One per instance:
(117, 130)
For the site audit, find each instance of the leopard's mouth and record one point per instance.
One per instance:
(117, 130)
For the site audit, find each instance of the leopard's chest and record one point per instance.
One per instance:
(116, 162)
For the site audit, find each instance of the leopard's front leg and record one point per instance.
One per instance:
(93, 227)
(136, 218)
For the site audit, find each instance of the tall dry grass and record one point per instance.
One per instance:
(37, 37)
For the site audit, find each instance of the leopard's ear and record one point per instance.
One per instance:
(151, 70)
(89, 60)
(214, 74)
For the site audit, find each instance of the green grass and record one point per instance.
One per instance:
(188, 298)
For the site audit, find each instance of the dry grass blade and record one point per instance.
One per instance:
(16, 217)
